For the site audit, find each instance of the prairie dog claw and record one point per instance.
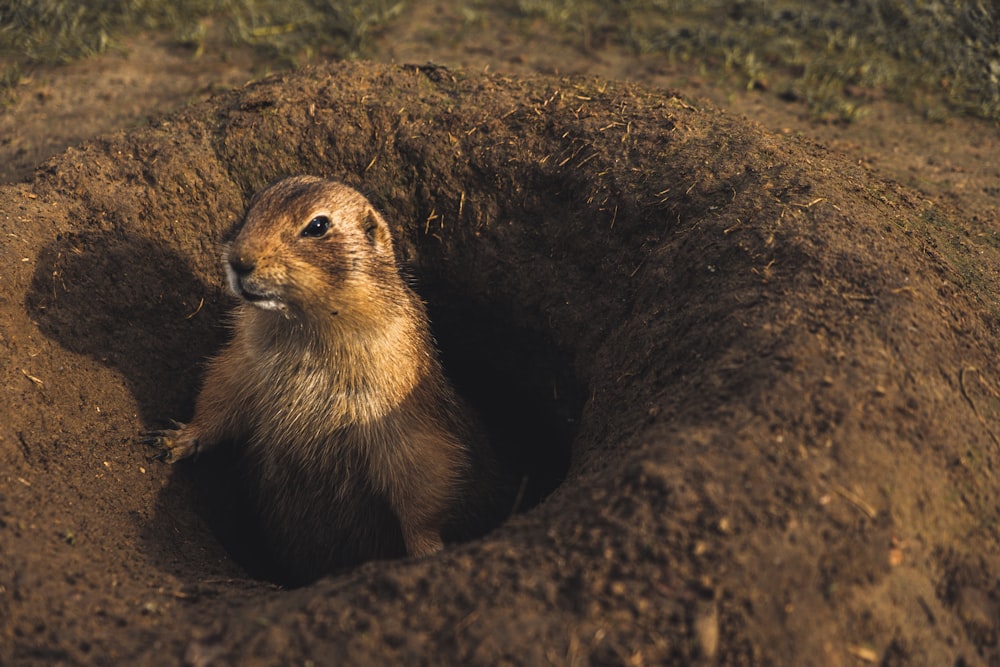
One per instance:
(173, 444)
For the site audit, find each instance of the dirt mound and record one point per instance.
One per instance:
(766, 382)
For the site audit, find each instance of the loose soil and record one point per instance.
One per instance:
(761, 375)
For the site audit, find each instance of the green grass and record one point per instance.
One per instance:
(942, 56)
(939, 55)
(55, 31)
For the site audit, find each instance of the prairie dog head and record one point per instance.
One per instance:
(310, 247)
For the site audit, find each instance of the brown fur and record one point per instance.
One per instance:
(358, 446)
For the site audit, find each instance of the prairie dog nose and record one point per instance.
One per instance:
(241, 265)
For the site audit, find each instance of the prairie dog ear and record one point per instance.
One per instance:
(376, 231)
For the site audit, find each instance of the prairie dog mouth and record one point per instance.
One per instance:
(266, 300)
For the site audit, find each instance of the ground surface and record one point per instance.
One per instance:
(779, 358)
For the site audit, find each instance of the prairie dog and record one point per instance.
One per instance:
(357, 447)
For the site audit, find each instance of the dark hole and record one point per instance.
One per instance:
(519, 385)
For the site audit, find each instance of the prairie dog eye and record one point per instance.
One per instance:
(317, 227)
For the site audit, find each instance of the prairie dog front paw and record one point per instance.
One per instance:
(172, 444)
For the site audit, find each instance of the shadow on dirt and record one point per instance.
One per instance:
(136, 307)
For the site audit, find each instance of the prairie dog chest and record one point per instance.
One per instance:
(307, 397)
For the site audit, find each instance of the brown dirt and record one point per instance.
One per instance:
(774, 374)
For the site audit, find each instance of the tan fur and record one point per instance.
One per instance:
(357, 445)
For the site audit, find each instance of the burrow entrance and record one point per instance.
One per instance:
(521, 386)
(515, 379)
